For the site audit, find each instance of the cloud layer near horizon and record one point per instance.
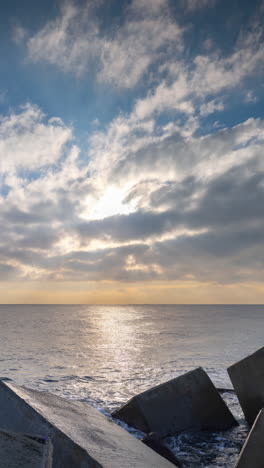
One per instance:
(157, 195)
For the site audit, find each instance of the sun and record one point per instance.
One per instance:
(111, 203)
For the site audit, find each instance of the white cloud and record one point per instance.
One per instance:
(69, 42)
(211, 106)
(213, 74)
(74, 43)
(166, 97)
(29, 142)
(135, 47)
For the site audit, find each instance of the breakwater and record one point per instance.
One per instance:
(73, 434)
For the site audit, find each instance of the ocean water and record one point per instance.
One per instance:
(103, 355)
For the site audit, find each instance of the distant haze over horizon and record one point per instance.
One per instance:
(131, 152)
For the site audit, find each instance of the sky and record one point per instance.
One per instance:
(131, 151)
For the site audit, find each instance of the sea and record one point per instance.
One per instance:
(104, 355)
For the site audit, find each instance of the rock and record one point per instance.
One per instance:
(81, 436)
(24, 450)
(188, 402)
(252, 454)
(154, 441)
(247, 377)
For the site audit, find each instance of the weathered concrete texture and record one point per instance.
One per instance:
(23, 450)
(81, 436)
(252, 454)
(188, 402)
(247, 377)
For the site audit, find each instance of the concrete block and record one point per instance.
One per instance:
(81, 436)
(23, 450)
(252, 454)
(247, 377)
(188, 402)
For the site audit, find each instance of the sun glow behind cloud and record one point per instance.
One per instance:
(110, 203)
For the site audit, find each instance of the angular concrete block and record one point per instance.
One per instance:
(247, 377)
(252, 454)
(81, 436)
(24, 450)
(188, 402)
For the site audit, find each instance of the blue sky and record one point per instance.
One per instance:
(131, 151)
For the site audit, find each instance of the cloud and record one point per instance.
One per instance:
(69, 42)
(250, 97)
(142, 41)
(193, 5)
(211, 107)
(121, 56)
(172, 97)
(29, 142)
(154, 7)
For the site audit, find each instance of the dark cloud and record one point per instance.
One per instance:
(233, 198)
(174, 194)
(135, 226)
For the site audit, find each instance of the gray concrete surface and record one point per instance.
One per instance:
(25, 451)
(247, 377)
(188, 402)
(252, 454)
(81, 436)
